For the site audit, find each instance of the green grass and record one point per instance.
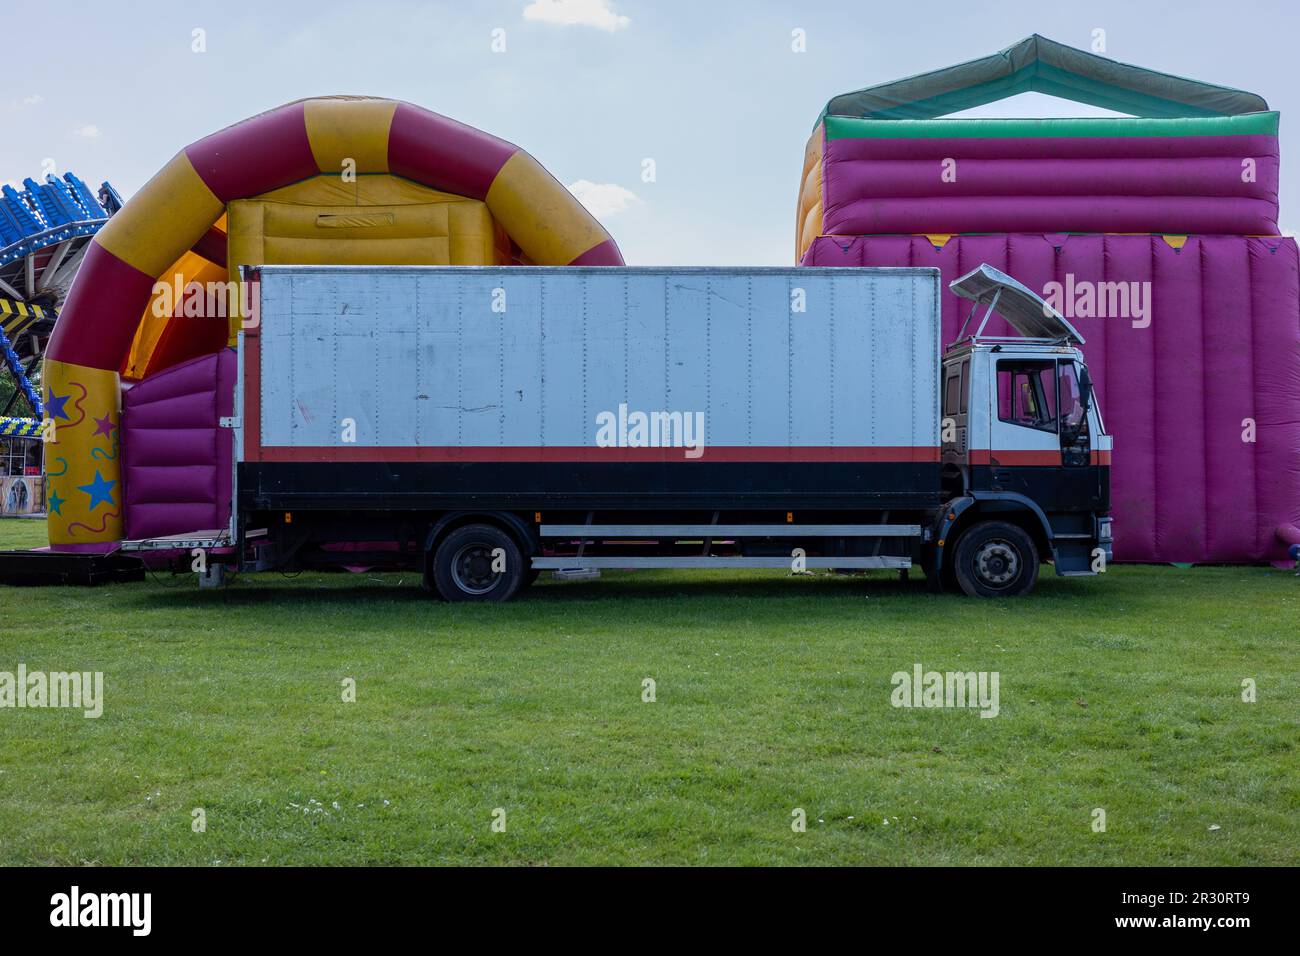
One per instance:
(1121, 692)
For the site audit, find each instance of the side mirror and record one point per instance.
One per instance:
(1070, 431)
(1085, 389)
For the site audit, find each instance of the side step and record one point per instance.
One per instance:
(207, 540)
(730, 531)
(668, 561)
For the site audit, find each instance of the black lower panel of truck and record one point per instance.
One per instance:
(588, 485)
(1085, 489)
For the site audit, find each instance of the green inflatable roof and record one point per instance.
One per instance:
(1037, 64)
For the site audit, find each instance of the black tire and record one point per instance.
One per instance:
(531, 575)
(995, 559)
(462, 565)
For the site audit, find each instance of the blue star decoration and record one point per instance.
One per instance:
(55, 403)
(55, 501)
(100, 491)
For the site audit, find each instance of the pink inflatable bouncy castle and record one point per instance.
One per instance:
(1156, 234)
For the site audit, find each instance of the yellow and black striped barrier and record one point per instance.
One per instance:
(16, 317)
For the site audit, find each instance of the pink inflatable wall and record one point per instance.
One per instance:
(1096, 175)
(1220, 350)
(1173, 209)
(176, 459)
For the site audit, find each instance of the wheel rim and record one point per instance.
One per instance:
(471, 569)
(997, 563)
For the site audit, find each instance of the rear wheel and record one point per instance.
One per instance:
(995, 559)
(478, 562)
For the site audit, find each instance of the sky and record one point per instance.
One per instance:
(712, 93)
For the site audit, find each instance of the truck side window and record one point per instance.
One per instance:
(950, 395)
(1027, 394)
(965, 383)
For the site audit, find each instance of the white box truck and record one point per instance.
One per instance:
(486, 423)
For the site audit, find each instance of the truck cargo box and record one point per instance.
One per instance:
(522, 387)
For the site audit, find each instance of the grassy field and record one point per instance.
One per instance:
(1122, 692)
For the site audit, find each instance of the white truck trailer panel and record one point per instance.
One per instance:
(507, 363)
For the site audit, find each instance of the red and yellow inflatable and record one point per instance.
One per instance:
(345, 180)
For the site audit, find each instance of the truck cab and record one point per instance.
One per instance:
(1022, 429)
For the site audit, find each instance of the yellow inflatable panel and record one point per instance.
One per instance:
(350, 129)
(418, 226)
(530, 203)
(376, 220)
(367, 189)
(150, 242)
(808, 219)
(83, 475)
(191, 267)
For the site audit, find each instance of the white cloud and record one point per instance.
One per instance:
(89, 131)
(31, 99)
(602, 199)
(585, 13)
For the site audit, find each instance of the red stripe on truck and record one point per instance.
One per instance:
(586, 453)
(1044, 458)
(1012, 457)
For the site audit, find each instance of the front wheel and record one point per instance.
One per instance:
(478, 562)
(995, 559)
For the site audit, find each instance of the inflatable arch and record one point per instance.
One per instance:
(339, 179)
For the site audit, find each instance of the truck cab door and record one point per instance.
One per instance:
(1076, 437)
(1041, 436)
(1085, 451)
(1024, 447)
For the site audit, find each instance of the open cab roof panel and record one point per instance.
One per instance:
(1026, 311)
